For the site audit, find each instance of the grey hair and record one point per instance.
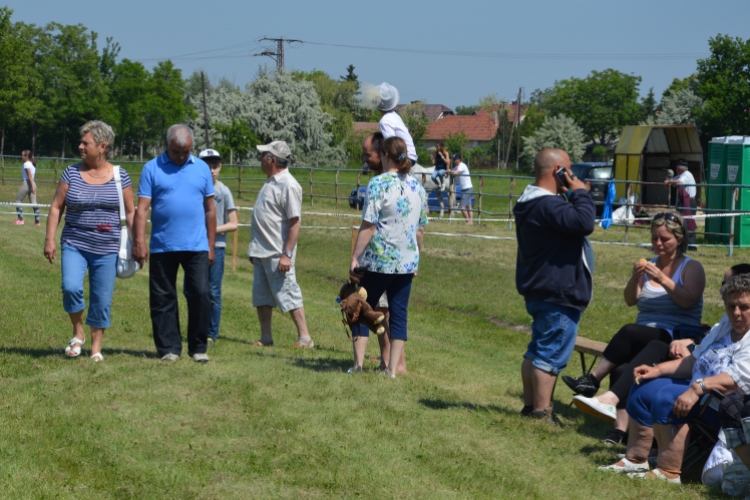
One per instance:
(280, 162)
(100, 131)
(180, 134)
(739, 283)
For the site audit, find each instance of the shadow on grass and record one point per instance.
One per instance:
(322, 364)
(439, 404)
(49, 352)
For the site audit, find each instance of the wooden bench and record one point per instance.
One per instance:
(592, 347)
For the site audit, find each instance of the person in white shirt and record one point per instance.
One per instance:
(461, 171)
(685, 180)
(683, 177)
(28, 188)
(391, 124)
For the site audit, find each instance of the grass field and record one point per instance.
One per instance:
(281, 423)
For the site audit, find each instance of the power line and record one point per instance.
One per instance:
(278, 56)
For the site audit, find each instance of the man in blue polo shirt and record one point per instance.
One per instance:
(178, 188)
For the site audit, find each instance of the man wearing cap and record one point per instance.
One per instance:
(178, 189)
(226, 222)
(273, 245)
(391, 123)
(686, 204)
(461, 171)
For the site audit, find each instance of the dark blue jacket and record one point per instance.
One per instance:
(551, 265)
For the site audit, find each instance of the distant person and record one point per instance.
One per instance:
(28, 187)
(441, 160)
(461, 171)
(273, 245)
(551, 234)
(90, 239)
(686, 192)
(371, 150)
(391, 124)
(388, 245)
(179, 190)
(226, 222)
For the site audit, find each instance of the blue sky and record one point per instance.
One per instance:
(526, 44)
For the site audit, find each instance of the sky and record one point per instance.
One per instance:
(442, 52)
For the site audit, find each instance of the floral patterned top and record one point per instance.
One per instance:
(397, 205)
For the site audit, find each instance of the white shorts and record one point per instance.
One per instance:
(275, 289)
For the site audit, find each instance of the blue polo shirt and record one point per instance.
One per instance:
(178, 219)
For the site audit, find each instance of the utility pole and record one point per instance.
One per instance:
(205, 110)
(518, 127)
(277, 56)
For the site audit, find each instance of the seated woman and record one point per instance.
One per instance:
(665, 397)
(668, 291)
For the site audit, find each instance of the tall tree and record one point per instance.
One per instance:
(648, 105)
(415, 120)
(602, 103)
(16, 62)
(724, 85)
(556, 132)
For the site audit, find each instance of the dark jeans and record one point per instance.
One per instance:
(397, 288)
(165, 319)
(621, 378)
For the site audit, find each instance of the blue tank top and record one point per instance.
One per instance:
(439, 162)
(657, 309)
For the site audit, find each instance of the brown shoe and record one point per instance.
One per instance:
(300, 345)
(261, 344)
(548, 415)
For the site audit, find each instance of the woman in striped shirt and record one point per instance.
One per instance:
(91, 237)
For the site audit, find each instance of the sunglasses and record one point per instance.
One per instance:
(666, 215)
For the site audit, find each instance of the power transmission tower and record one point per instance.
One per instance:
(277, 56)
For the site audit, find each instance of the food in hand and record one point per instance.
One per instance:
(642, 261)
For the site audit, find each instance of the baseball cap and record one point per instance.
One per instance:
(209, 153)
(682, 162)
(388, 97)
(457, 156)
(277, 148)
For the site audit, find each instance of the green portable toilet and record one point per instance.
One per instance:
(716, 197)
(738, 172)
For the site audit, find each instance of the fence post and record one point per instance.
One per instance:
(735, 195)
(359, 181)
(479, 201)
(510, 203)
(336, 189)
(239, 181)
(627, 209)
(2, 159)
(312, 203)
(54, 176)
(234, 244)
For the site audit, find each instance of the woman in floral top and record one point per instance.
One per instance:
(388, 244)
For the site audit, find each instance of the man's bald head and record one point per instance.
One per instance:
(548, 160)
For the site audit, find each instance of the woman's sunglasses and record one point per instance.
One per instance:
(666, 215)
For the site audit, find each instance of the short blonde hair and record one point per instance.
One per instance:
(100, 131)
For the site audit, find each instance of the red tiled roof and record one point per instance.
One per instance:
(366, 126)
(476, 128)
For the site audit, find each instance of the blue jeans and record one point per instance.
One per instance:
(215, 277)
(438, 173)
(397, 288)
(102, 272)
(553, 335)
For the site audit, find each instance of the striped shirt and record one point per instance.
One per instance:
(92, 218)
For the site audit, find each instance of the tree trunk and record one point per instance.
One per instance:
(64, 137)
(141, 150)
(33, 138)
(2, 144)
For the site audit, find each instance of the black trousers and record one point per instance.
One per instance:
(623, 349)
(165, 319)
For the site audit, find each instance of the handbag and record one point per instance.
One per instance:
(126, 265)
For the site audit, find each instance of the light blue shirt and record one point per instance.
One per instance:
(178, 218)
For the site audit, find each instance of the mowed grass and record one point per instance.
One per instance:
(281, 423)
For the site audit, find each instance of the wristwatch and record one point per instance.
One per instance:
(701, 384)
(288, 254)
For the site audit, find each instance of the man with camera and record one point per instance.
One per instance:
(553, 273)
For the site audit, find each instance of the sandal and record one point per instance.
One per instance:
(261, 344)
(74, 346)
(97, 357)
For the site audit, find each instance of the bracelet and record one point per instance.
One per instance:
(702, 385)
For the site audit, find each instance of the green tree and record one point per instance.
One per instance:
(167, 105)
(15, 62)
(725, 87)
(236, 140)
(681, 106)
(415, 120)
(648, 105)
(466, 110)
(556, 132)
(33, 111)
(455, 143)
(601, 104)
(131, 98)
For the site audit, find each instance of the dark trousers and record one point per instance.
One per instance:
(165, 319)
(624, 347)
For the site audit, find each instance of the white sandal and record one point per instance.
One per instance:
(75, 346)
(97, 357)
